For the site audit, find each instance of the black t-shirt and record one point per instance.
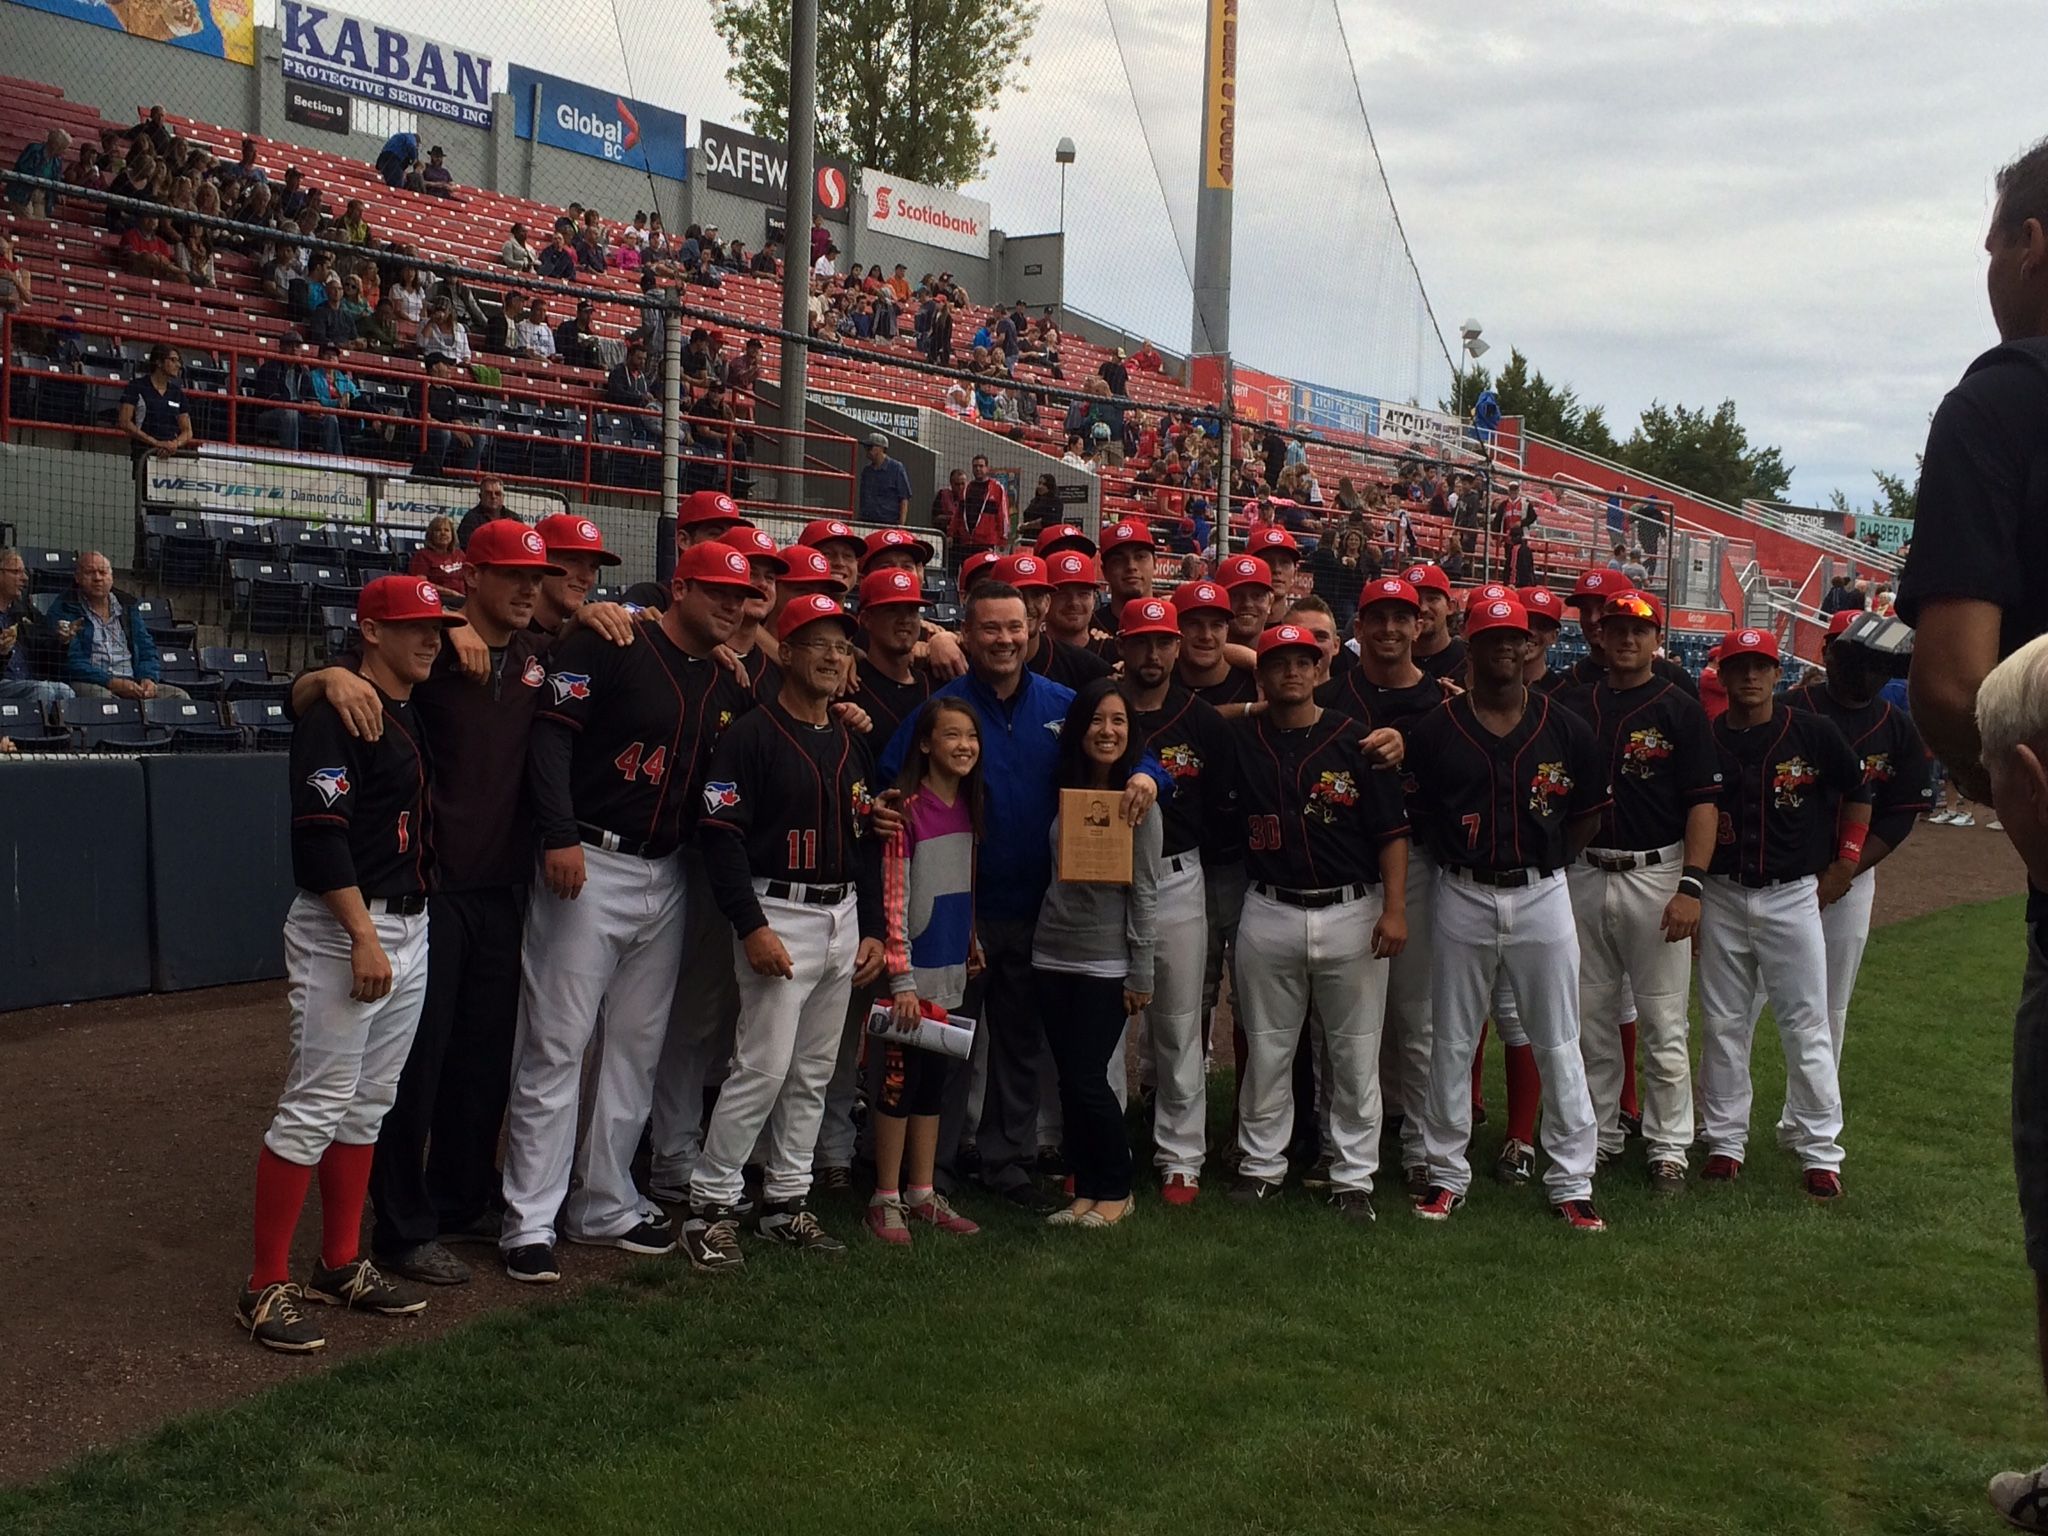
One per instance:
(359, 808)
(1192, 744)
(1315, 812)
(1505, 802)
(888, 702)
(156, 412)
(1448, 662)
(1068, 665)
(1661, 760)
(787, 800)
(1781, 784)
(1896, 765)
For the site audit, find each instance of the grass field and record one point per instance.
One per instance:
(1735, 1361)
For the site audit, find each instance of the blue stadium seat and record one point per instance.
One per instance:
(264, 597)
(264, 725)
(49, 570)
(110, 725)
(180, 668)
(246, 673)
(194, 724)
(23, 722)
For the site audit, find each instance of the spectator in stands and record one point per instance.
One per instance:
(336, 390)
(245, 170)
(355, 224)
(884, 485)
(490, 508)
(153, 131)
(737, 257)
(440, 559)
(153, 414)
(575, 340)
(450, 441)
(1520, 558)
(516, 253)
(467, 307)
(1339, 568)
(1105, 422)
(1148, 359)
(385, 330)
(109, 652)
(827, 264)
(17, 287)
(1348, 499)
(742, 374)
(984, 521)
(1077, 453)
(1045, 346)
(947, 505)
(701, 364)
(144, 252)
(704, 272)
(556, 260)
(628, 385)
(1043, 510)
(92, 170)
(821, 240)
(768, 260)
(331, 325)
(282, 378)
(1115, 374)
(588, 247)
(710, 247)
(409, 293)
(436, 180)
(444, 335)
(401, 152)
(532, 336)
(45, 161)
(1009, 336)
(29, 644)
(710, 433)
(1841, 593)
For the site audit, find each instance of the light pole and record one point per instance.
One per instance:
(1474, 349)
(1063, 152)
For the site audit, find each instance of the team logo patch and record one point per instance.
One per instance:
(1877, 768)
(587, 531)
(534, 674)
(1053, 726)
(570, 685)
(331, 782)
(1643, 751)
(1180, 761)
(720, 794)
(1788, 779)
(724, 718)
(430, 594)
(530, 542)
(1331, 793)
(1548, 789)
(863, 802)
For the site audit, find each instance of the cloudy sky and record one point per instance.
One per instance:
(1686, 200)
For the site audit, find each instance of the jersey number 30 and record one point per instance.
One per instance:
(630, 762)
(1262, 832)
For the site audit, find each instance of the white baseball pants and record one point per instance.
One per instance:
(610, 956)
(1483, 932)
(1172, 1038)
(1622, 948)
(1408, 1009)
(346, 1056)
(783, 1054)
(698, 1049)
(1289, 959)
(1770, 935)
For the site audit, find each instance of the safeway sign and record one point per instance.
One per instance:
(910, 210)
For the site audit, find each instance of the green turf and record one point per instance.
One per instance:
(1737, 1361)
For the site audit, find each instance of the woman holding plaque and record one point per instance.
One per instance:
(1091, 957)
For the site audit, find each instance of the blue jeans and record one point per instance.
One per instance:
(27, 688)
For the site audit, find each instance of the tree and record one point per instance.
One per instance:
(1550, 409)
(1709, 454)
(1898, 497)
(900, 82)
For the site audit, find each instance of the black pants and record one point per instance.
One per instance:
(1084, 1020)
(1002, 999)
(457, 1078)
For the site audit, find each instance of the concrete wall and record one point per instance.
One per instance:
(58, 498)
(1031, 268)
(117, 73)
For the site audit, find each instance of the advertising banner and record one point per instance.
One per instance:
(315, 108)
(221, 29)
(587, 121)
(1336, 410)
(1413, 424)
(747, 165)
(900, 420)
(415, 503)
(387, 64)
(246, 488)
(910, 210)
(1219, 114)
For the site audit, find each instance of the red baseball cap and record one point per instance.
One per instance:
(1149, 616)
(1272, 536)
(1243, 571)
(1124, 534)
(715, 564)
(1058, 536)
(1842, 620)
(1427, 576)
(826, 529)
(811, 608)
(1024, 571)
(755, 544)
(883, 589)
(708, 507)
(1737, 642)
(895, 538)
(1596, 584)
(1492, 592)
(1287, 637)
(506, 542)
(567, 534)
(1199, 597)
(1542, 603)
(397, 599)
(1070, 568)
(806, 566)
(1389, 589)
(1501, 613)
(974, 567)
(1634, 605)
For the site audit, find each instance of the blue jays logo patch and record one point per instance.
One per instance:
(570, 685)
(720, 794)
(331, 782)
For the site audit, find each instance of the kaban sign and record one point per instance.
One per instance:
(587, 121)
(387, 64)
(747, 165)
(910, 210)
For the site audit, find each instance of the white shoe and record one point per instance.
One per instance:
(1995, 824)
(1962, 819)
(1941, 818)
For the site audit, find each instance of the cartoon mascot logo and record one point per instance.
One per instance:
(1643, 751)
(1788, 779)
(1331, 793)
(1180, 761)
(1551, 784)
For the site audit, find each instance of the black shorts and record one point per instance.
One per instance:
(913, 1081)
(2030, 1102)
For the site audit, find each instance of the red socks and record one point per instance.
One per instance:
(1629, 1105)
(280, 1196)
(1525, 1092)
(344, 1186)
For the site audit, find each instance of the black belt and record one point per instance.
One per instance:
(810, 895)
(1176, 862)
(398, 906)
(1622, 863)
(1764, 882)
(1502, 879)
(611, 842)
(1312, 901)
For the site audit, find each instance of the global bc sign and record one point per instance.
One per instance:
(910, 210)
(601, 124)
(387, 64)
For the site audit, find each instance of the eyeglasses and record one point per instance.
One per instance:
(823, 647)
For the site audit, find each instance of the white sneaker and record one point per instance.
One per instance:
(1962, 819)
(1941, 818)
(1995, 824)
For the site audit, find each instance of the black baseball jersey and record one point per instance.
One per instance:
(642, 719)
(1448, 662)
(1069, 665)
(1505, 802)
(1192, 744)
(1781, 784)
(1238, 686)
(1896, 765)
(1585, 672)
(888, 702)
(359, 808)
(1373, 706)
(1661, 760)
(787, 800)
(1556, 685)
(1314, 810)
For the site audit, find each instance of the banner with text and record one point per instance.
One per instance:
(1253, 395)
(1219, 111)
(388, 64)
(415, 503)
(1336, 410)
(249, 488)
(747, 165)
(1413, 424)
(222, 29)
(587, 121)
(910, 210)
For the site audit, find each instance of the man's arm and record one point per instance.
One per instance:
(1955, 646)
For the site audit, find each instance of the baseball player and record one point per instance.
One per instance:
(355, 944)
(1207, 618)
(614, 766)
(750, 640)
(838, 543)
(1546, 619)
(1795, 814)
(1192, 744)
(1248, 581)
(793, 864)
(1277, 547)
(1326, 840)
(575, 545)
(1055, 538)
(1437, 651)
(1589, 598)
(706, 516)
(1512, 787)
(1635, 890)
(1130, 562)
(1056, 591)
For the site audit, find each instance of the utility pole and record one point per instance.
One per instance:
(796, 223)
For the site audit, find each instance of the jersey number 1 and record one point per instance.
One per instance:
(630, 762)
(803, 849)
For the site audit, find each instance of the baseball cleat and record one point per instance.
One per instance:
(1250, 1191)
(429, 1264)
(835, 1181)
(1353, 1205)
(1667, 1178)
(711, 1238)
(1317, 1174)
(359, 1284)
(1721, 1169)
(1631, 1126)
(936, 1211)
(532, 1264)
(274, 1320)
(1517, 1162)
(652, 1237)
(791, 1223)
(1823, 1184)
(2021, 1498)
(1580, 1216)
(885, 1221)
(1437, 1203)
(1180, 1189)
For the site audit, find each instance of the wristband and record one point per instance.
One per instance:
(1692, 872)
(1851, 849)
(1691, 885)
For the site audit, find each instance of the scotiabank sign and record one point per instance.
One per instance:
(747, 165)
(910, 210)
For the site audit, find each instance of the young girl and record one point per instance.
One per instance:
(1091, 961)
(928, 887)
(438, 560)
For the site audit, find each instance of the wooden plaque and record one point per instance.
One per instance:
(1095, 841)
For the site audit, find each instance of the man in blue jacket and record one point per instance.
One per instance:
(108, 651)
(1021, 713)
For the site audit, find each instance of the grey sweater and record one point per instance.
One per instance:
(1104, 930)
